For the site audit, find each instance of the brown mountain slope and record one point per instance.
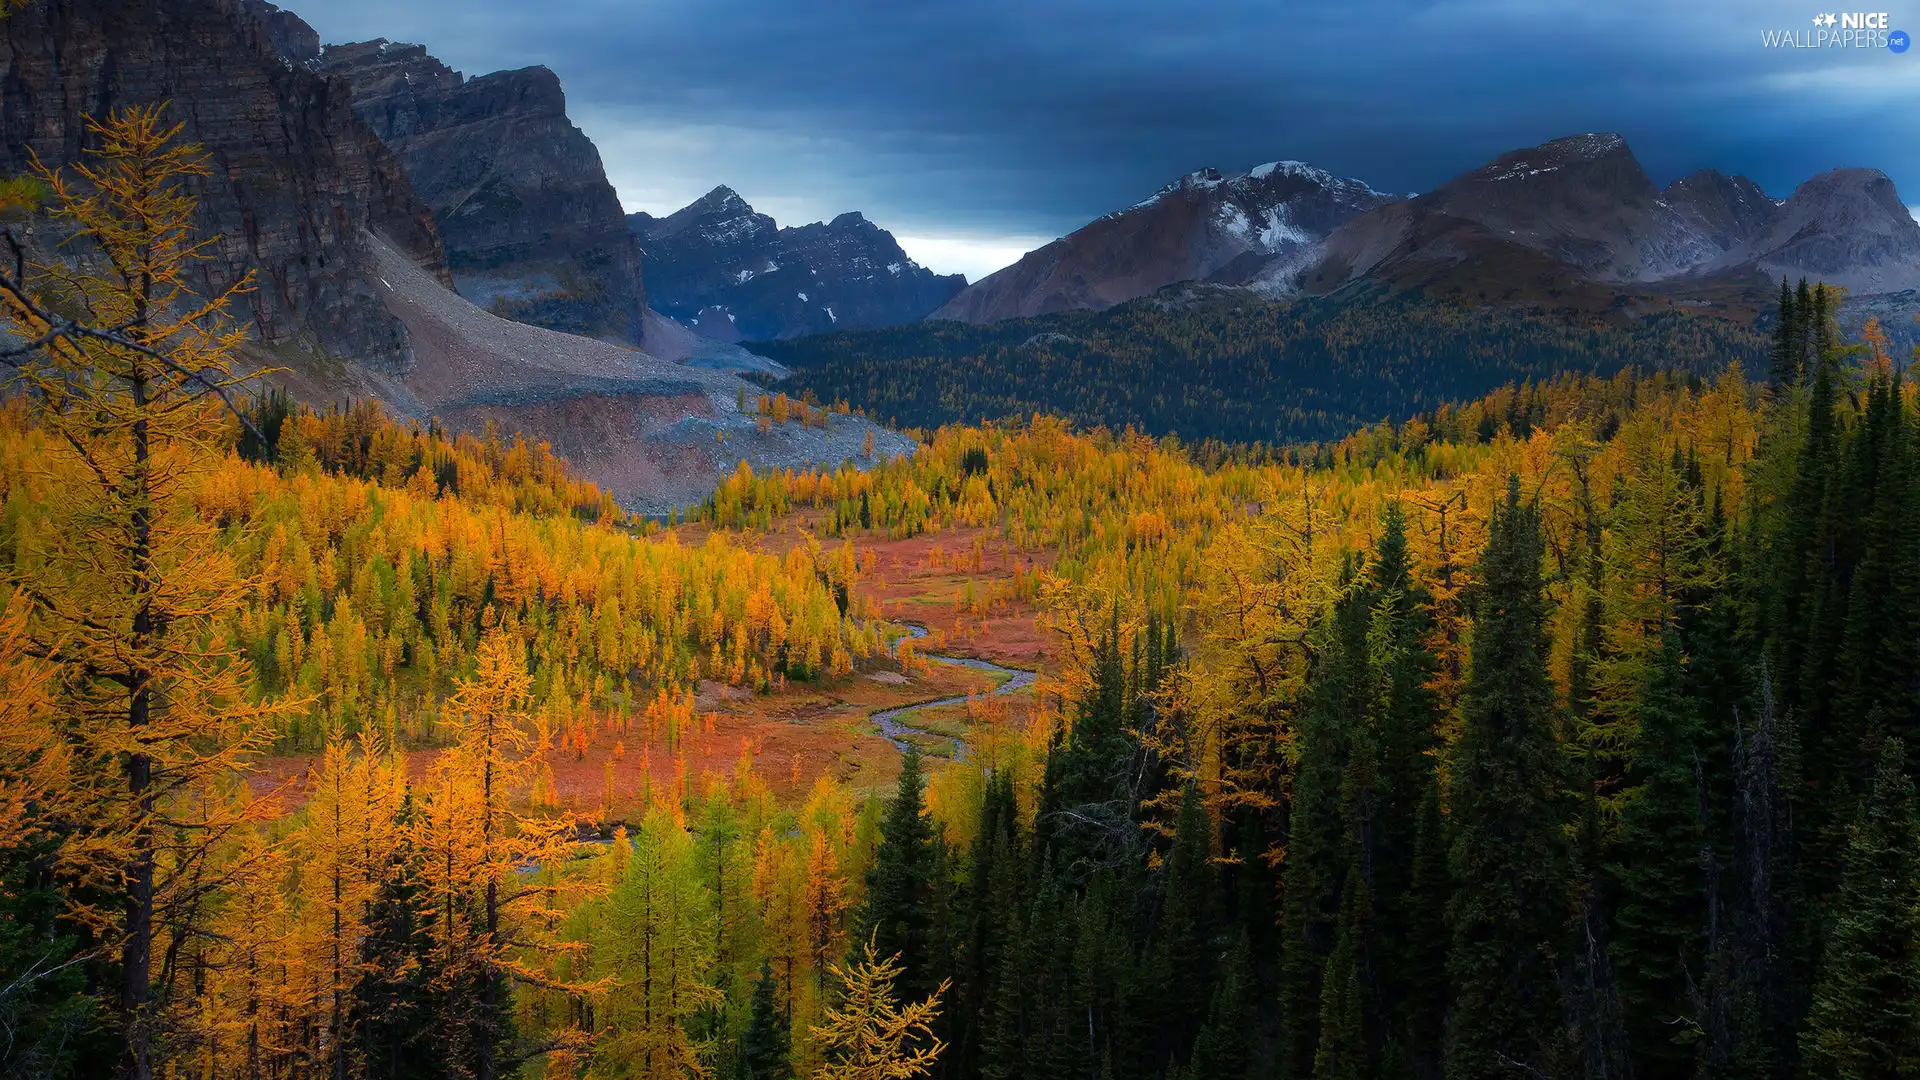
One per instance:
(1257, 228)
(1575, 223)
(656, 434)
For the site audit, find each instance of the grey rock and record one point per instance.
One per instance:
(531, 226)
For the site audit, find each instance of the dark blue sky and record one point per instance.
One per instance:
(978, 128)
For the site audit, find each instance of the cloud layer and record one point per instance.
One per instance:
(983, 125)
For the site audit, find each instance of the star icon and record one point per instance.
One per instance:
(1831, 20)
(1819, 20)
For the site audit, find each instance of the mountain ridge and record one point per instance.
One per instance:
(1256, 228)
(1575, 222)
(730, 272)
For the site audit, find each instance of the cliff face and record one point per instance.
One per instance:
(297, 181)
(532, 228)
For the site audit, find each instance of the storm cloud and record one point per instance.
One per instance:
(977, 129)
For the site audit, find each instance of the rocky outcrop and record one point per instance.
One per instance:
(732, 274)
(296, 181)
(1846, 227)
(531, 226)
(1574, 208)
(287, 34)
(1260, 229)
(1720, 213)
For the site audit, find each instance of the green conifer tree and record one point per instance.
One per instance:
(1658, 943)
(900, 886)
(1865, 1021)
(766, 1046)
(1510, 905)
(1220, 1050)
(1786, 344)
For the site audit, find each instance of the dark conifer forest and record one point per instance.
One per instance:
(1204, 362)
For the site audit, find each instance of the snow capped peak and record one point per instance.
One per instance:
(1269, 231)
(725, 200)
(1592, 144)
(1197, 180)
(1292, 168)
(1312, 174)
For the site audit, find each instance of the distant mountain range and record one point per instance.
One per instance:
(1256, 229)
(360, 186)
(405, 224)
(1575, 224)
(730, 273)
(533, 231)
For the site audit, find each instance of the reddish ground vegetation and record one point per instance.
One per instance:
(790, 737)
(925, 579)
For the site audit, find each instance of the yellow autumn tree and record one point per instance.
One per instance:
(342, 845)
(129, 588)
(494, 922)
(656, 950)
(868, 1035)
(33, 763)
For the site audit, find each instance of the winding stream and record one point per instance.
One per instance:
(896, 732)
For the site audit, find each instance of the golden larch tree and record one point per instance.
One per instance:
(868, 1034)
(131, 594)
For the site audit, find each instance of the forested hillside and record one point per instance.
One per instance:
(1204, 362)
(1559, 732)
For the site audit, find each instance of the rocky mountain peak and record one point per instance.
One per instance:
(532, 228)
(530, 91)
(1600, 161)
(1257, 228)
(1847, 227)
(287, 34)
(297, 182)
(720, 217)
(721, 200)
(733, 274)
(1721, 212)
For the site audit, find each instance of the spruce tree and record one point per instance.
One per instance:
(1317, 847)
(1342, 1052)
(393, 1004)
(1786, 344)
(900, 886)
(1220, 1050)
(1865, 1022)
(1803, 325)
(1418, 1034)
(1658, 944)
(1182, 937)
(995, 877)
(766, 1046)
(1509, 911)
